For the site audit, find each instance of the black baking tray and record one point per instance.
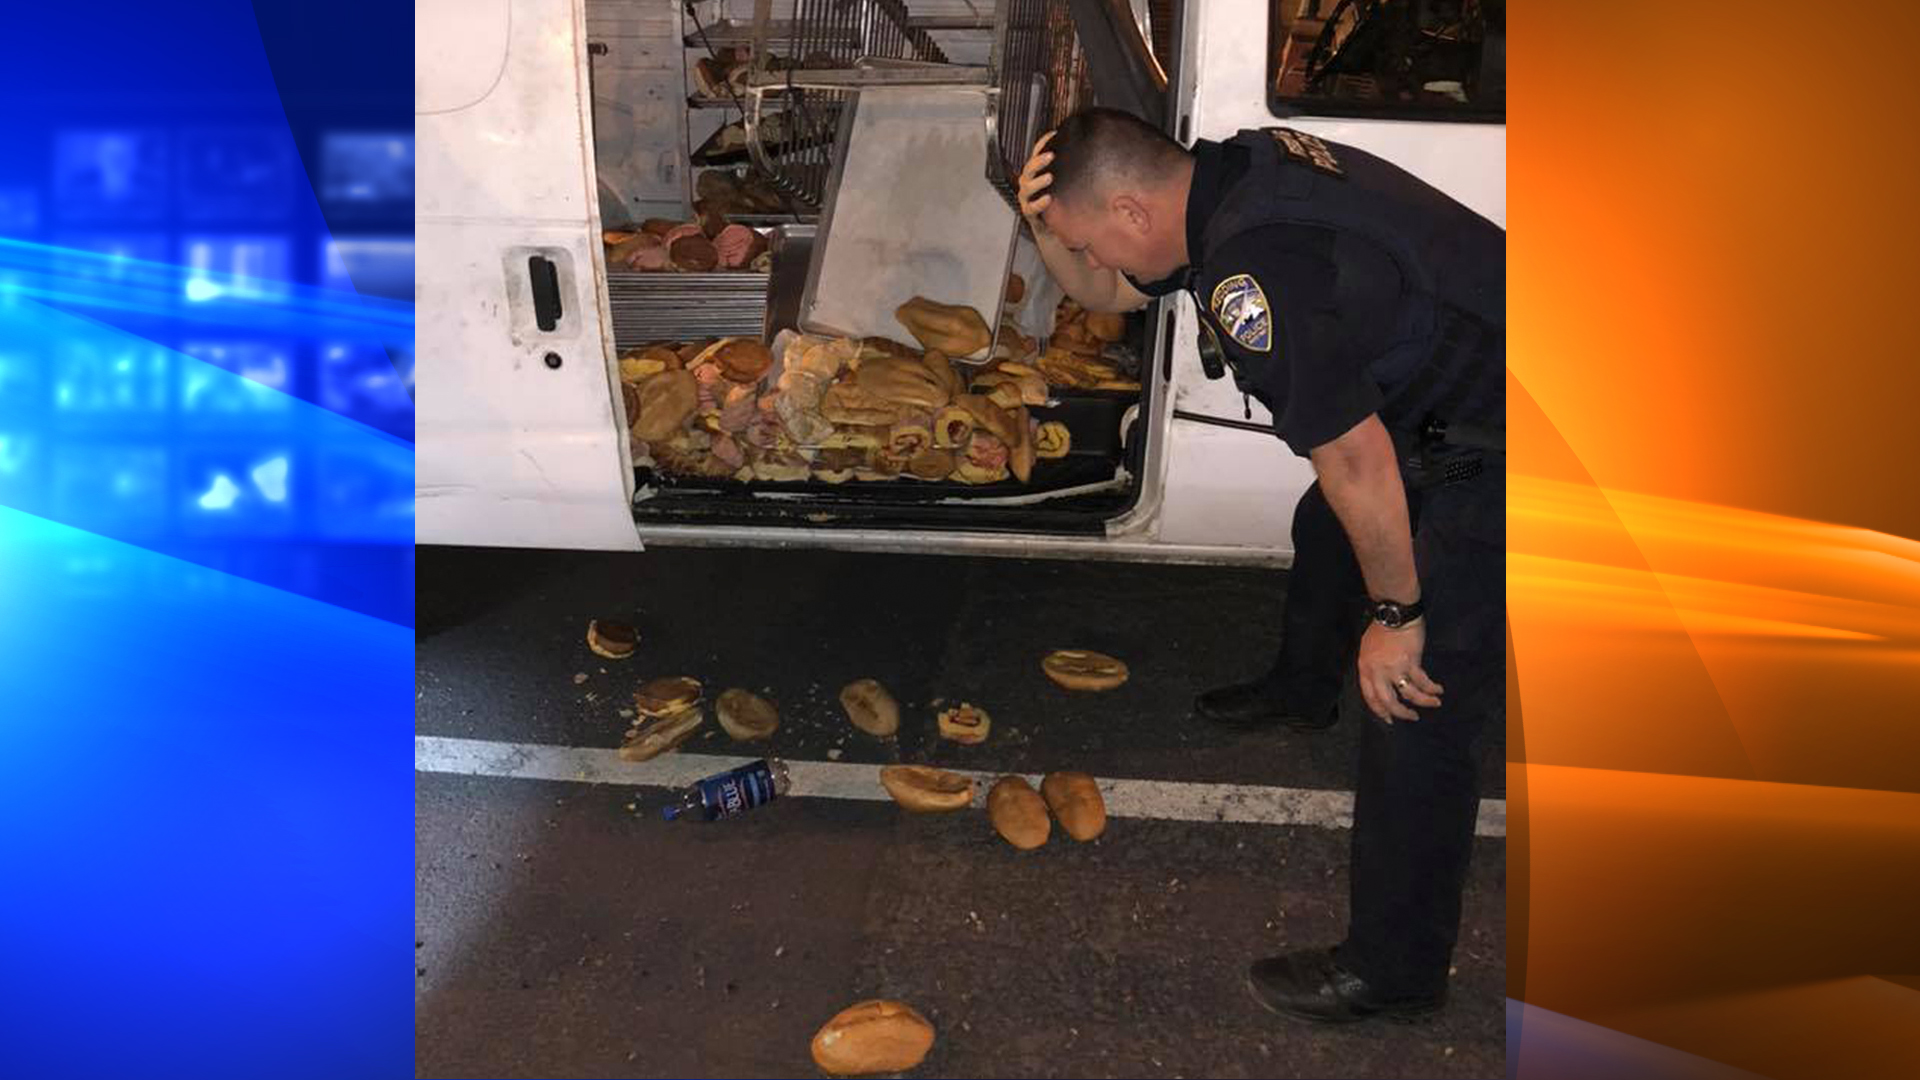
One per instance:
(1092, 419)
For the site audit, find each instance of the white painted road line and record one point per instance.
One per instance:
(1164, 800)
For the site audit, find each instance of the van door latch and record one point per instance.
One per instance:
(545, 278)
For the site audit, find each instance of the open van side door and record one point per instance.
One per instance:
(1229, 481)
(520, 441)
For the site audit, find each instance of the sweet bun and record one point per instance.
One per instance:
(927, 790)
(1079, 669)
(615, 641)
(746, 716)
(873, 1037)
(1018, 813)
(1075, 799)
(965, 724)
(871, 708)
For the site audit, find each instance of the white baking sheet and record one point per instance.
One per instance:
(911, 214)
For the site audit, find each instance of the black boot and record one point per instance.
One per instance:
(1253, 706)
(1312, 985)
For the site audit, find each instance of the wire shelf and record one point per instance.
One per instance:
(1035, 75)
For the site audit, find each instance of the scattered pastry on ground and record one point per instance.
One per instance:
(668, 712)
(927, 790)
(613, 640)
(873, 1037)
(1074, 798)
(966, 724)
(1018, 813)
(651, 736)
(1080, 669)
(746, 716)
(871, 708)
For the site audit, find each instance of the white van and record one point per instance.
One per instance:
(540, 121)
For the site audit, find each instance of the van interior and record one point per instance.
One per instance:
(725, 140)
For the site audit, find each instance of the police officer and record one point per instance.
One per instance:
(1366, 310)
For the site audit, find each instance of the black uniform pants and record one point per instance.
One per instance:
(1323, 616)
(1417, 796)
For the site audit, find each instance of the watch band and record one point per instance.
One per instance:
(1393, 615)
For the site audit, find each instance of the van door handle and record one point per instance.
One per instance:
(545, 278)
(1166, 347)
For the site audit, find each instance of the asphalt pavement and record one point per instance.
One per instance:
(563, 929)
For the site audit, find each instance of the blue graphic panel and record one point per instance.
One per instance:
(206, 525)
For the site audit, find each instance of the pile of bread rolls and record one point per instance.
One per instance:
(836, 409)
(1073, 356)
(688, 246)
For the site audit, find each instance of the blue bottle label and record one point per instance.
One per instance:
(737, 790)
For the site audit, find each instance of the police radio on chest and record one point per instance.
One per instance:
(1213, 360)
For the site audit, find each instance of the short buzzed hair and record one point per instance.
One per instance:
(1096, 148)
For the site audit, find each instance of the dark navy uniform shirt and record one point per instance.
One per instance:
(1334, 303)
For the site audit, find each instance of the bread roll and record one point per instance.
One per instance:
(693, 252)
(854, 437)
(639, 365)
(881, 466)
(632, 253)
(871, 708)
(873, 1037)
(615, 641)
(1053, 440)
(746, 716)
(1074, 798)
(1106, 325)
(965, 724)
(1079, 669)
(658, 697)
(952, 427)
(652, 736)
(744, 360)
(879, 346)
(903, 382)
(846, 403)
(907, 439)
(1020, 456)
(969, 473)
(943, 372)
(950, 328)
(932, 463)
(1018, 813)
(990, 417)
(666, 401)
(927, 790)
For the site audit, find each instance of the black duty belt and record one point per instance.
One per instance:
(1441, 456)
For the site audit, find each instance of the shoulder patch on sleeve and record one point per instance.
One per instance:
(1307, 150)
(1242, 309)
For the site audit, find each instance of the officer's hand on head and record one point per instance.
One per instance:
(1391, 678)
(1034, 181)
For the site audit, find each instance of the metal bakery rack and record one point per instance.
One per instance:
(1035, 74)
